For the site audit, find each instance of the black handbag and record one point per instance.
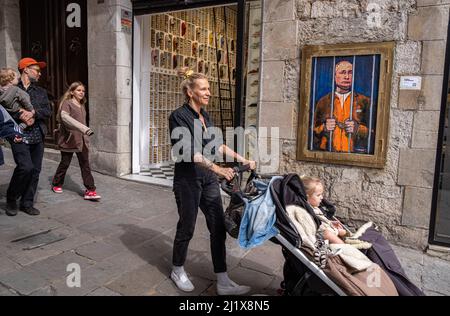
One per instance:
(235, 210)
(233, 218)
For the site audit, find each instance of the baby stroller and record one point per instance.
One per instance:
(302, 274)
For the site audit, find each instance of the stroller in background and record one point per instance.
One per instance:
(302, 276)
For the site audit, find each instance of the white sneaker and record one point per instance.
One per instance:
(233, 289)
(182, 281)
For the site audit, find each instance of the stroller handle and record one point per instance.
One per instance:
(234, 185)
(241, 169)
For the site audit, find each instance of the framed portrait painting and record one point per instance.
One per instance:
(344, 104)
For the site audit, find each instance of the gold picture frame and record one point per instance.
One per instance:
(353, 127)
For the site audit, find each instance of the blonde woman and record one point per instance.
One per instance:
(74, 138)
(195, 183)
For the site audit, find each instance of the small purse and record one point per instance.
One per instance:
(233, 215)
(235, 210)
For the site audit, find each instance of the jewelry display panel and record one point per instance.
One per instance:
(189, 39)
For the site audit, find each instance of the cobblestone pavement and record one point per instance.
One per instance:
(123, 245)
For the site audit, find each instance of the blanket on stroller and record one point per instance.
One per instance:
(350, 268)
(371, 282)
(352, 257)
(381, 253)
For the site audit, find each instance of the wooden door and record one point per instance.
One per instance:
(55, 31)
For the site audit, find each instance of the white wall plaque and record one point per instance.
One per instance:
(410, 83)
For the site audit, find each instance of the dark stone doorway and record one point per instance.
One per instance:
(55, 31)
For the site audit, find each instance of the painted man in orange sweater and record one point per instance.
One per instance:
(340, 126)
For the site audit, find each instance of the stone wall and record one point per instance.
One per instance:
(398, 197)
(10, 46)
(110, 86)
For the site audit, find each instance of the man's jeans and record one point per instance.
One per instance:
(24, 181)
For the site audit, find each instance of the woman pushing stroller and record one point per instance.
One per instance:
(195, 182)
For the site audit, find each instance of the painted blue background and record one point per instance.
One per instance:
(362, 72)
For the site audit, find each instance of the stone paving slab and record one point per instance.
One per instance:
(167, 287)
(163, 222)
(73, 219)
(74, 239)
(110, 226)
(93, 277)
(48, 290)
(110, 269)
(22, 225)
(60, 288)
(144, 213)
(97, 250)
(436, 276)
(198, 264)
(127, 241)
(412, 263)
(258, 281)
(7, 265)
(102, 291)
(140, 281)
(272, 258)
(7, 292)
(47, 197)
(55, 267)
(153, 250)
(57, 211)
(22, 281)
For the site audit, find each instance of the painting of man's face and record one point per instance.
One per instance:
(344, 74)
(344, 103)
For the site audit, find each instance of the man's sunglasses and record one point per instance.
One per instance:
(38, 70)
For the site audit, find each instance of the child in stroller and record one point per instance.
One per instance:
(331, 230)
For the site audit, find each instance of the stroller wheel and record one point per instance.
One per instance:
(282, 290)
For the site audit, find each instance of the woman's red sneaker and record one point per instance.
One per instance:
(57, 189)
(91, 195)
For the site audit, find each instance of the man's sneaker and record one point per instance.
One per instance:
(91, 195)
(182, 281)
(57, 189)
(233, 289)
(30, 210)
(11, 208)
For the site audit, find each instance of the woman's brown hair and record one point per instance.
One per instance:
(68, 95)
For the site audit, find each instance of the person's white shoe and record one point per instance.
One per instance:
(232, 289)
(182, 281)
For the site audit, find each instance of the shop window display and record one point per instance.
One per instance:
(194, 39)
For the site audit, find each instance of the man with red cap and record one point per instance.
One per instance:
(28, 154)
